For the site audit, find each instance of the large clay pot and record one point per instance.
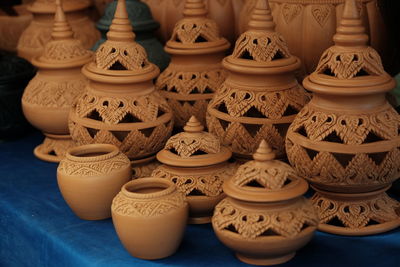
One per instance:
(346, 140)
(150, 216)
(90, 176)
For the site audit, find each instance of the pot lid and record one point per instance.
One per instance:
(261, 50)
(265, 179)
(195, 33)
(63, 50)
(49, 6)
(14, 68)
(193, 148)
(350, 66)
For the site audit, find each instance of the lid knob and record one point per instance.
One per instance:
(264, 152)
(193, 126)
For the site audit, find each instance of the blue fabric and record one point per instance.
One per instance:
(38, 229)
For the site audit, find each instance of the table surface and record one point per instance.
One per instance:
(37, 228)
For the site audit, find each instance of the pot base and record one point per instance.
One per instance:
(356, 214)
(265, 261)
(53, 148)
(199, 220)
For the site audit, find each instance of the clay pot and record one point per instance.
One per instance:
(189, 87)
(121, 106)
(150, 216)
(345, 141)
(49, 95)
(196, 162)
(143, 27)
(38, 33)
(260, 96)
(309, 25)
(14, 76)
(90, 176)
(265, 219)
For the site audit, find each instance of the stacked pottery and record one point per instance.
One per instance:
(121, 106)
(345, 142)
(38, 34)
(144, 27)
(260, 97)
(265, 219)
(195, 72)
(49, 95)
(197, 163)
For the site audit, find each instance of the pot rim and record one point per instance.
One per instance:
(129, 188)
(75, 153)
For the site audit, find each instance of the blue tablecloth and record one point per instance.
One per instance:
(38, 229)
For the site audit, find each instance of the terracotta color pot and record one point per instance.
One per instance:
(309, 25)
(90, 176)
(260, 96)
(346, 139)
(38, 33)
(121, 106)
(150, 216)
(265, 219)
(49, 95)
(196, 162)
(189, 87)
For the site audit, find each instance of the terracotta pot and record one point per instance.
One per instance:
(309, 25)
(49, 95)
(38, 33)
(346, 139)
(189, 87)
(150, 216)
(90, 176)
(196, 162)
(260, 96)
(121, 106)
(265, 219)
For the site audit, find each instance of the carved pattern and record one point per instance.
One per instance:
(187, 31)
(58, 147)
(64, 50)
(144, 170)
(321, 13)
(183, 110)
(291, 11)
(186, 144)
(287, 223)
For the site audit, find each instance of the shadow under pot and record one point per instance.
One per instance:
(90, 176)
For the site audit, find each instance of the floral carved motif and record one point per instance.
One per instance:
(64, 50)
(291, 11)
(186, 144)
(187, 31)
(321, 13)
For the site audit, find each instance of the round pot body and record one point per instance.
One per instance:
(90, 176)
(146, 212)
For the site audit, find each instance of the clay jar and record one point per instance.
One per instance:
(90, 176)
(195, 72)
(345, 142)
(38, 33)
(260, 96)
(265, 219)
(196, 162)
(150, 216)
(49, 95)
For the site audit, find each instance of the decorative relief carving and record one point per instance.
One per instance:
(188, 31)
(291, 11)
(64, 50)
(58, 147)
(186, 144)
(321, 13)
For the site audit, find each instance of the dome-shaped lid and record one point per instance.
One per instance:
(49, 6)
(195, 33)
(14, 68)
(193, 148)
(265, 179)
(350, 67)
(63, 50)
(261, 49)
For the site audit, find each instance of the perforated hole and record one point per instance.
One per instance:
(148, 131)
(282, 128)
(200, 39)
(246, 55)
(130, 118)
(196, 192)
(311, 153)
(173, 89)
(378, 158)
(252, 129)
(343, 159)
(269, 232)
(199, 152)
(361, 73)
(372, 137)
(120, 135)
(254, 183)
(160, 112)
(94, 115)
(92, 132)
(254, 113)
(335, 222)
(231, 228)
(117, 66)
(222, 108)
(333, 138)
(278, 55)
(195, 91)
(302, 131)
(224, 124)
(290, 111)
(208, 90)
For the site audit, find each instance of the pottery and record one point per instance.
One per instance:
(14, 76)
(149, 216)
(345, 141)
(260, 96)
(189, 87)
(309, 25)
(101, 5)
(145, 167)
(38, 33)
(265, 219)
(49, 95)
(143, 27)
(90, 176)
(121, 106)
(197, 163)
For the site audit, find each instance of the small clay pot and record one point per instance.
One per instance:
(90, 176)
(150, 216)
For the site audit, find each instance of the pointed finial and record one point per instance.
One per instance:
(261, 17)
(195, 8)
(193, 126)
(264, 152)
(61, 28)
(351, 31)
(121, 28)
